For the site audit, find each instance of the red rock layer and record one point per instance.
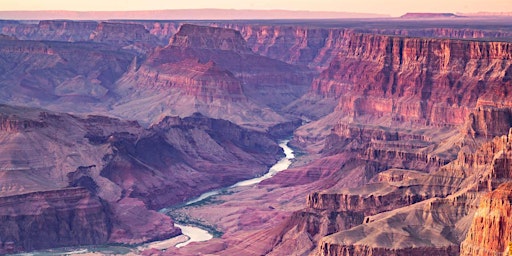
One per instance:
(215, 63)
(419, 80)
(460, 183)
(491, 230)
(301, 45)
(13, 124)
(205, 81)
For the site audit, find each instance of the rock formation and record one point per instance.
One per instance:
(128, 35)
(490, 232)
(94, 180)
(54, 74)
(404, 76)
(212, 71)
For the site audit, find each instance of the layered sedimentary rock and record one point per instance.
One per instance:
(431, 81)
(397, 168)
(212, 71)
(54, 73)
(405, 112)
(444, 223)
(491, 230)
(316, 45)
(445, 32)
(53, 30)
(94, 180)
(129, 35)
(65, 217)
(301, 45)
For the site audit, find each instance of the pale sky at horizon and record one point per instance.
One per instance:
(392, 7)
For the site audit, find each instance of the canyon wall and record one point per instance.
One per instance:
(95, 180)
(398, 165)
(63, 217)
(490, 232)
(472, 188)
(417, 80)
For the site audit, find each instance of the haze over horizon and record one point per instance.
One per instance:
(387, 7)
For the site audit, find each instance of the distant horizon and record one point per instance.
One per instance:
(393, 8)
(202, 14)
(179, 14)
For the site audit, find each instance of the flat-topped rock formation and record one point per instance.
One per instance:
(428, 15)
(212, 71)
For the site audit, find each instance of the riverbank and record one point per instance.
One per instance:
(198, 230)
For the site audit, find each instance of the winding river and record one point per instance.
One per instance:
(194, 234)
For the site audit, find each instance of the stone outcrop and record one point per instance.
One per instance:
(300, 45)
(395, 196)
(52, 30)
(202, 37)
(13, 124)
(387, 147)
(491, 230)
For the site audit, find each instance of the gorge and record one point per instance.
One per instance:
(400, 129)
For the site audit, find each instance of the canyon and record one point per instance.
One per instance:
(401, 128)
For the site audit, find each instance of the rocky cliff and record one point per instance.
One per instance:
(64, 217)
(51, 30)
(201, 37)
(431, 81)
(94, 179)
(212, 71)
(300, 45)
(490, 232)
(405, 193)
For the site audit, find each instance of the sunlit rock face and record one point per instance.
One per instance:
(431, 81)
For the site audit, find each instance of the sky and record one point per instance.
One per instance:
(391, 7)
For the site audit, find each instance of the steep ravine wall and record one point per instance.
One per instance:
(419, 80)
(63, 217)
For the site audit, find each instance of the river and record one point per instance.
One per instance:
(282, 165)
(194, 234)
